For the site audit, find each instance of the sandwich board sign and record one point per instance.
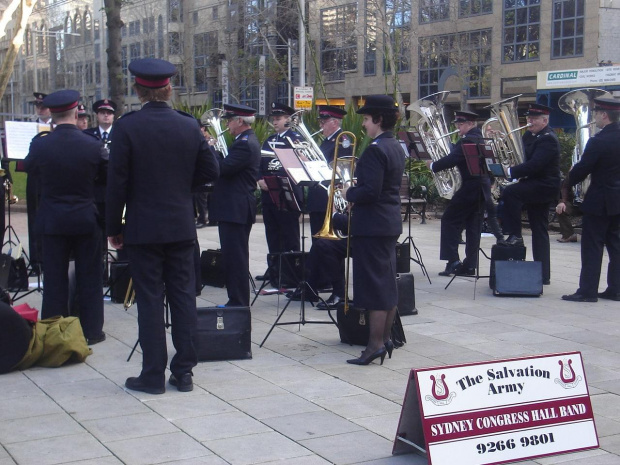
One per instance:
(498, 411)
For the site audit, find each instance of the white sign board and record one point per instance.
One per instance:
(502, 411)
(597, 77)
(303, 98)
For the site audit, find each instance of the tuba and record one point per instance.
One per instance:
(579, 103)
(308, 146)
(214, 118)
(427, 115)
(503, 127)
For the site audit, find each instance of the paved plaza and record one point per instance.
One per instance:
(297, 401)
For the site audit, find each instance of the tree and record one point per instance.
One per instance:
(22, 10)
(115, 71)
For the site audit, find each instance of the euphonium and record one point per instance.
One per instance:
(427, 116)
(214, 118)
(579, 103)
(503, 127)
(308, 146)
(342, 172)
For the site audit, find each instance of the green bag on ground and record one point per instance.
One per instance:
(56, 341)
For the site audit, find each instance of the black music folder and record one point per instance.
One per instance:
(475, 153)
(281, 192)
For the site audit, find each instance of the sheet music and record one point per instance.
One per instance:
(18, 138)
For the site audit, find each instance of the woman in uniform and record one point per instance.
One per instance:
(376, 225)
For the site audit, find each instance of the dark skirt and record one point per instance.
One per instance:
(374, 272)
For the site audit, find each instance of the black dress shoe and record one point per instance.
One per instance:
(183, 383)
(330, 303)
(511, 241)
(464, 270)
(260, 277)
(212, 223)
(451, 267)
(95, 340)
(579, 298)
(609, 295)
(136, 384)
(200, 225)
(366, 360)
(546, 282)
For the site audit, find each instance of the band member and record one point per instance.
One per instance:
(33, 189)
(376, 224)
(465, 206)
(601, 205)
(68, 162)
(83, 118)
(565, 209)
(104, 109)
(201, 194)
(281, 223)
(233, 204)
(538, 187)
(157, 156)
(330, 119)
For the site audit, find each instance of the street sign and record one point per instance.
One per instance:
(303, 98)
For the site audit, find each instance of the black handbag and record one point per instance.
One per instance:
(212, 269)
(518, 278)
(224, 333)
(403, 258)
(354, 327)
(406, 294)
(18, 275)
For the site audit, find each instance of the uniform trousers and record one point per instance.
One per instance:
(234, 240)
(536, 197)
(599, 232)
(463, 211)
(281, 229)
(86, 249)
(158, 270)
(327, 265)
(33, 193)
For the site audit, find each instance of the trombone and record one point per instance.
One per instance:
(345, 170)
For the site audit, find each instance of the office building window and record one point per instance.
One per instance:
(434, 10)
(475, 7)
(521, 41)
(175, 11)
(370, 41)
(568, 28)
(205, 58)
(399, 11)
(88, 27)
(175, 45)
(469, 53)
(338, 41)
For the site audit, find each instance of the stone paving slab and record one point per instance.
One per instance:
(297, 402)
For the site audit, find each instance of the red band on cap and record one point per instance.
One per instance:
(607, 106)
(153, 84)
(65, 108)
(539, 111)
(330, 114)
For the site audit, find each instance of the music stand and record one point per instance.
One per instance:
(481, 162)
(291, 164)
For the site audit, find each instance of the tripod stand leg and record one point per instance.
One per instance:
(135, 346)
(275, 323)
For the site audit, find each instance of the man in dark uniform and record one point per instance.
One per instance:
(538, 186)
(281, 224)
(466, 204)
(157, 156)
(68, 161)
(33, 189)
(330, 119)
(233, 204)
(83, 117)
(601, 205)
(104, 109)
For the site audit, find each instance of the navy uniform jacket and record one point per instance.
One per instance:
(157, 155)
(101, 182)
(317, 196)
(233, 198)
(67, 162)
(376, 198)
(601, 159)
(271, 166)
(542, 158)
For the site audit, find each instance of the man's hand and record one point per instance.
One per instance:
(561, 208)
(116, 241)
(262, 185)
(428, 163)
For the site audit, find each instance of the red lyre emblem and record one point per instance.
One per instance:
(568, 379)
(441, 394)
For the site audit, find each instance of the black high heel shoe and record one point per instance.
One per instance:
(389, 347)
(366, 360)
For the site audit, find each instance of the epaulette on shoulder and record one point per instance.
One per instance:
(374, 142)
(91, 135)
(184, 113)
(42, 134)
(125, 115)
(245, 138)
